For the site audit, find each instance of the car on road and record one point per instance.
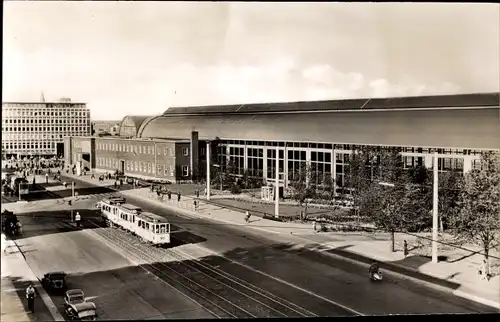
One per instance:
(55, 281)
(77, 308)
(10, 223)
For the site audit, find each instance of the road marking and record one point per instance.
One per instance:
(263, 273)
(121, 252)
(281, 281)
(444, 289)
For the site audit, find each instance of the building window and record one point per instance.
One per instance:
(172, 152)
(185, 170)
(321, 166)
(255, 162)
(165, 151)
(140, 166)
(185, 152)
(165, 171)
(271, 162)
(158, 169)
(150, 168)
(237, 159)
(172, 172)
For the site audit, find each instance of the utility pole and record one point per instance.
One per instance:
(277, 187)
(435, 210)
(19, 191)
(208, 170)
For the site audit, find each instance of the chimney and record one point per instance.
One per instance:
(194, 155)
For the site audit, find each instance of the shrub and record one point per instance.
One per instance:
(235, 189)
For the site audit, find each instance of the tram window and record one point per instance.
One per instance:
(162, 228)
(147, 226)
(133, 219)
(139, 223)
(157, 229)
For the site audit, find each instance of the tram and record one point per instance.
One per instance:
(152, 228)
(149, 227)
(126, 216)
(109, 209)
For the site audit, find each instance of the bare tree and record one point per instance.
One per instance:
(477, 220)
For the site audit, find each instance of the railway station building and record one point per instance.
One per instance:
(172, 146)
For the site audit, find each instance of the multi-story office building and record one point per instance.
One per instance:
(323, 134)
(38, 128)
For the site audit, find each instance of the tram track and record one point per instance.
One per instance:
(222, 294)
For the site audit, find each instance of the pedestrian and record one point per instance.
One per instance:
(121, 181)
(46, 178)
(197, 193)
(169, 195)
(30, 295)
(78, 219)
(92, 176)
(314, 226)
(195, 203)
(178, 196)
(405, 248)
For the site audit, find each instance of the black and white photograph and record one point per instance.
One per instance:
(219, 160)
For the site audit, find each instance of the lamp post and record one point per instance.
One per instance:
(277, 187)
(208, 170)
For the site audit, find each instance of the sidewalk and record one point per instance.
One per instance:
(458, 273)
(16, 276)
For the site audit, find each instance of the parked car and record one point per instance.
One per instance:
(77, 308)
(55, 281)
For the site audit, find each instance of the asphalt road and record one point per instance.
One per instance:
(240, 272)
(119, 288)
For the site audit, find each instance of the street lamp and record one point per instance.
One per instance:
(277, 189)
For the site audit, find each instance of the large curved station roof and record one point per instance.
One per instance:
(456, 121)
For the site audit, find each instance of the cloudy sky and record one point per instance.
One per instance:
(140, 58)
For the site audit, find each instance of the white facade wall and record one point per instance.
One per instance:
(36, 128)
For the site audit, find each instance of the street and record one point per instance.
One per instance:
(222, 270)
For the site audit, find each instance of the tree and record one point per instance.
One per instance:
(477, 220)
(392, 201)
(328, 187)
(360, 174)
(449, 184)
(301, 189)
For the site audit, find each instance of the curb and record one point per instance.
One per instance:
(197, 215)
(52, 308)
(417, 280)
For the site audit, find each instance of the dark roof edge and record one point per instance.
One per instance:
(409, 102)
